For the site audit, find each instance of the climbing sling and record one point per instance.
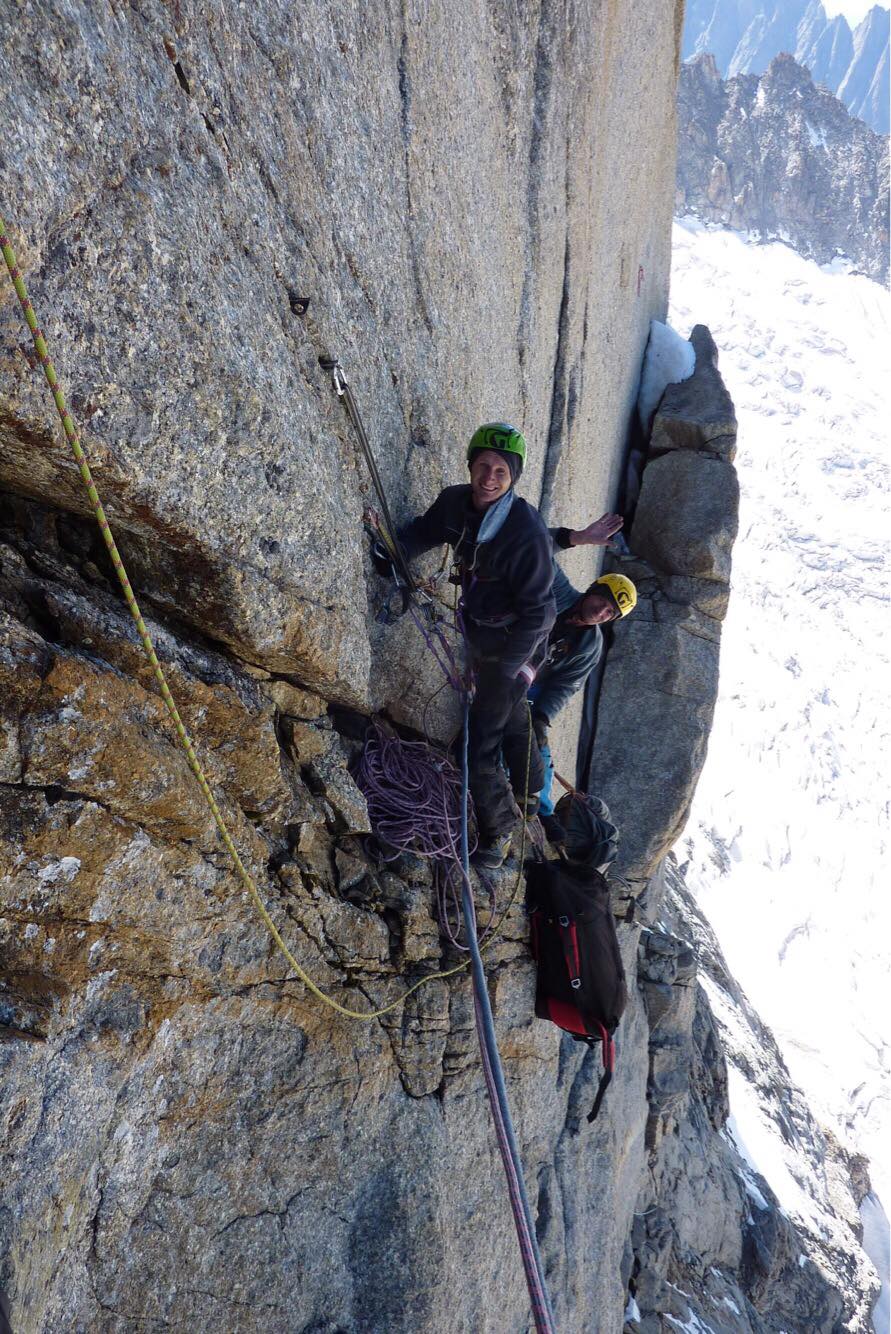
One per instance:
(532, 1262)
(388, 532)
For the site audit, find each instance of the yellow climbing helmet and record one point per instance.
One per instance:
(622, 590)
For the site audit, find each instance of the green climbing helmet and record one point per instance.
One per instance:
(499, 436)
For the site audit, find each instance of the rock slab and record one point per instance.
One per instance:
(646, 760)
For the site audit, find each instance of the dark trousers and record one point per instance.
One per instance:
(499, 730)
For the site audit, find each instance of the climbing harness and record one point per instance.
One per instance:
(494, 1076)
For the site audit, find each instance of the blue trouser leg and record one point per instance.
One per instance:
(545, 804)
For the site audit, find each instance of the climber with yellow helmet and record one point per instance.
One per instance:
(575, 644)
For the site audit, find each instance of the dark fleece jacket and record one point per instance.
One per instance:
(507, 581)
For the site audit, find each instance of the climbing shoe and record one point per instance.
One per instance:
(554, 831)
(492, 852)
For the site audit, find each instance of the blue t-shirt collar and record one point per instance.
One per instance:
(494, 517)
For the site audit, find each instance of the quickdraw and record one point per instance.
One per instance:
(387, 528)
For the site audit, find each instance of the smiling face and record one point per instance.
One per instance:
(593, 609)
(490, 477)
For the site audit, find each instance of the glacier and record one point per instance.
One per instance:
(786, 846)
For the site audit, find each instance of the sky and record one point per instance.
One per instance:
(853, 10)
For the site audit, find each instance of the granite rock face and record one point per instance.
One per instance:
(712, 1242)
(682, 513)
(698, 416)
(864, 87)
(778, 156)
(188, 1138)
(181, 179)
(647, 758)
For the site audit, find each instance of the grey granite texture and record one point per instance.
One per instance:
(476, 202)
(660, 682)
(438, 180)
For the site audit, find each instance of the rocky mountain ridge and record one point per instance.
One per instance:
(809, 1227)
(744, 38)
(781, 158)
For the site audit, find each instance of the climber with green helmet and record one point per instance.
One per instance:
(575, 644)
(504, 556)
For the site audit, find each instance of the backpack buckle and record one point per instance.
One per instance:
(575, 983)
(564, 921)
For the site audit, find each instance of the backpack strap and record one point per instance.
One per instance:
(608, 1048)
(570, 941)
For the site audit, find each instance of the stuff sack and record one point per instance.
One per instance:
(580, 982)
(591, 835)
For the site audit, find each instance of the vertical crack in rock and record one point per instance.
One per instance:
(177, 68)
(186, 85)
(542, 82)
(405, 126)
(562, 384)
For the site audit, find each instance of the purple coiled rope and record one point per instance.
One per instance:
(413, 796)
(414, 806)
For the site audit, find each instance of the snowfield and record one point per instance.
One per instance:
(786, 848)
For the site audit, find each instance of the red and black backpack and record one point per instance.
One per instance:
(581, 984)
